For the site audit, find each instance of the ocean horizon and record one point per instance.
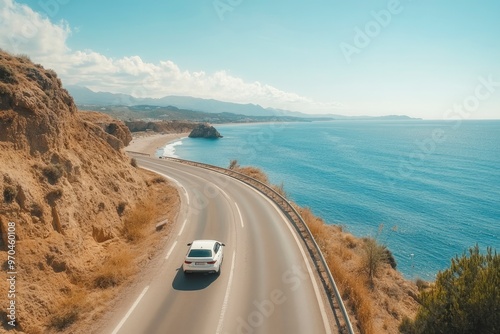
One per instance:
(428, 190)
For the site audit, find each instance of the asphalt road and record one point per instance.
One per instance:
(266, 285)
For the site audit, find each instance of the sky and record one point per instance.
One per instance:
(421, 58)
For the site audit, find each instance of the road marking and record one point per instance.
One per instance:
(222, 191)
(239, 213)
(182, 228)
(326, 323)
(131, 310)
(226, 297)
(171, 249)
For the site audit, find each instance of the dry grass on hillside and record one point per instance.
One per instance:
(379, 306)
(253, 172)
(136, 221)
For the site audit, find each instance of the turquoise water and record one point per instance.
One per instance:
(433, 185)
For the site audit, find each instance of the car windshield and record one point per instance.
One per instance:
(200, 253)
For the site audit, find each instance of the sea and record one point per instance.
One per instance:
(428, 190)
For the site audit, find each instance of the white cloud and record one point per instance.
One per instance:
(25, 31)
(45, 42)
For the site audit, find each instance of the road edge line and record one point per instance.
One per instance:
(226, 297)
(171, 249)
(117, 328)
(306, 259)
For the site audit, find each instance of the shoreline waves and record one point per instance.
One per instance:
(150, 143)
(169, 149)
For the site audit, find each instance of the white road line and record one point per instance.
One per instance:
(171, 249)
(182, 228)
(131, 310)
(222, 191)
(187, 196)
(239, 213)
(326, 323)
(226, 297)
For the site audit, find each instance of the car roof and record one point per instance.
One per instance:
(203, 244)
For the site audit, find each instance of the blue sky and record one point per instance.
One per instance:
(415, 57)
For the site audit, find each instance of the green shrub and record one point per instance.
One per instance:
(36, 210)
(53, 172)
(421, 284)
(9, 194)
(7, 75)
(233, 164)
(390, 257)
(374, 255)
(54, 195)
(464, 299)
(121, 208)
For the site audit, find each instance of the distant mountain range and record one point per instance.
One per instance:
(85, 97)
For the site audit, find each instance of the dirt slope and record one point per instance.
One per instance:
(66, 185)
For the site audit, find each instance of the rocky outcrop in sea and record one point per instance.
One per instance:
(205, 131)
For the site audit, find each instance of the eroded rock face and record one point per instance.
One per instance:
(62, 178)
(37, 113)
(205, 131)
(115, 132)
(35, 109)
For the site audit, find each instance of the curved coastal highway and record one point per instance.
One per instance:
(267, 284)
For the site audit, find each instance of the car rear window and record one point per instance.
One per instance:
(200, 253)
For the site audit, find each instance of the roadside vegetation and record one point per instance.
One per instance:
(464, 299)
(137, 220)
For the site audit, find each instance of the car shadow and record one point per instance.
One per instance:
(192, 282)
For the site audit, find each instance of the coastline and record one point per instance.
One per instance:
(149, 143)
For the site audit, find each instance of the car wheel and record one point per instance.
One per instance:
(218, 271)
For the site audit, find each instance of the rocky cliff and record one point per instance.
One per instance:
(205, 131)
(161, 126)
(65, 184)
(120, 135)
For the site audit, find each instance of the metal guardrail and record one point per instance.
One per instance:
(288, 209)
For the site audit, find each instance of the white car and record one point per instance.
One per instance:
(204, 256)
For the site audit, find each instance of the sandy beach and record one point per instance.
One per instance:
(149, 143)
